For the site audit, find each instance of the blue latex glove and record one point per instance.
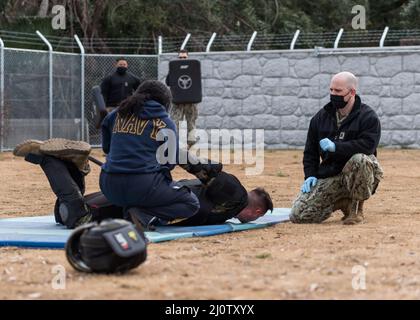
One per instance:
(327, 145)
(308, 184)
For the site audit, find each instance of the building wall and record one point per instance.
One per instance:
(281, 91)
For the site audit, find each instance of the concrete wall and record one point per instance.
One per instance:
(281, 91)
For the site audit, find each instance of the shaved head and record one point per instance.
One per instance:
(344, 85)
(346, 79)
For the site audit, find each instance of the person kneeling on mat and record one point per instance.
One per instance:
(132, 177)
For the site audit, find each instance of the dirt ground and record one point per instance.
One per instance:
(287, 261)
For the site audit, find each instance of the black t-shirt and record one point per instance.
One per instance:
(221, 200)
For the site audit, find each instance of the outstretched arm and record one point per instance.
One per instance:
(311, 153)
(203, 169)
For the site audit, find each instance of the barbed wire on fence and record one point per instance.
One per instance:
(198, 42)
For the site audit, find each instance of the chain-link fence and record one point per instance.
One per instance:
(26, 112)
(98, 67)
(25, 109)
(66, 109)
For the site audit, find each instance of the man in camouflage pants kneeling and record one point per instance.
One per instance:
(344, 134)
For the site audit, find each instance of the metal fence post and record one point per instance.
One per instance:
(160, 45)
(337, 40)
(381, 43)
(295, 37)
(82, 84)
(251, 41)
(50, 76)
(2, 94)
(213, 36)
(184, 44)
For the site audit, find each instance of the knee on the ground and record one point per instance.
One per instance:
(303, 214)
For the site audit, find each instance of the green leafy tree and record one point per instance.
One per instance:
(147, 19)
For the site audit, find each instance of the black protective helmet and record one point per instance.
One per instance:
(113, 245)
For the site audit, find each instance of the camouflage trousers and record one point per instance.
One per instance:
(357, 182)
(190, 112)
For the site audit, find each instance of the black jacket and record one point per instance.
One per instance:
(222, 199)
(360, 132)
(115, 87)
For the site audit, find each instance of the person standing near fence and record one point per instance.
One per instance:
(119, 85)
(187, 110)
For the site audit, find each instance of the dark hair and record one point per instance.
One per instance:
(120, 59)
(148, 90)
(264, 198)
(183, 51)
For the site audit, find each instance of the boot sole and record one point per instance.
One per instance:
(64, 147)
(352, 222)
(26, 147)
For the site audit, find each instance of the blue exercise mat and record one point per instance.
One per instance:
(43, 232)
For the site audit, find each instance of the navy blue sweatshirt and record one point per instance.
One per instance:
(130, 143)
(360, 132)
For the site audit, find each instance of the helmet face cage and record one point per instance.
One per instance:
(73, 254)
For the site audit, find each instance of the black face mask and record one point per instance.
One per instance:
(121, 70)
(338, 101)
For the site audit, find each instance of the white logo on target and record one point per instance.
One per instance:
(184, 82)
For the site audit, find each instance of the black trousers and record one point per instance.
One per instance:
(166, 200)
(185, 199)
(153, 194)
(68, 184)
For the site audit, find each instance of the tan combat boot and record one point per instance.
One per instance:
(69, 150)
(26, 147)
(343, 205)
(355, 213)
(360, 212)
